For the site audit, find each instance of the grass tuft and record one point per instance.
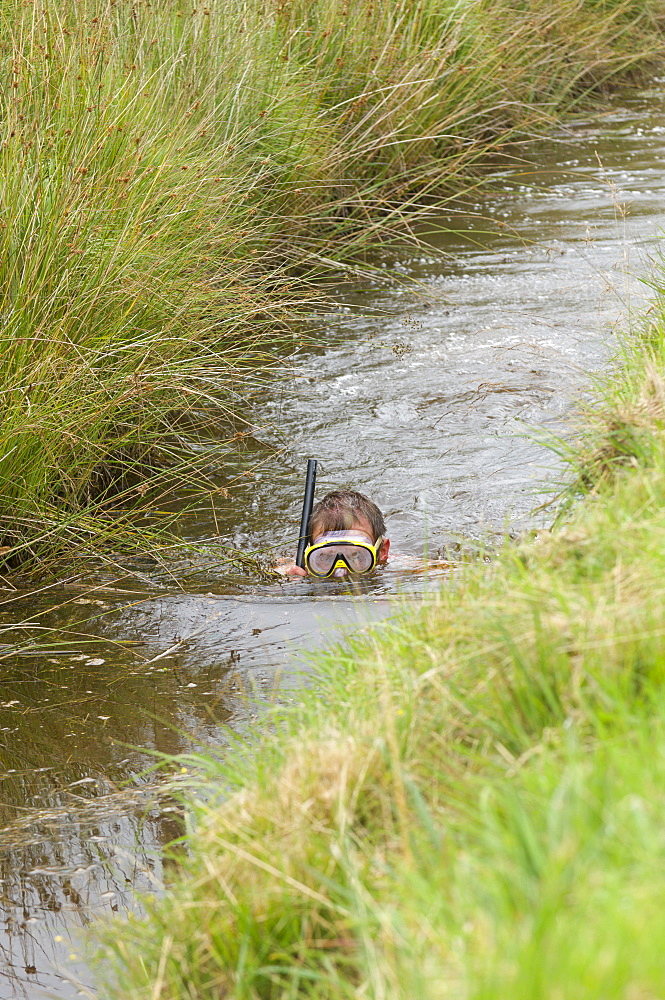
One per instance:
(469, 800)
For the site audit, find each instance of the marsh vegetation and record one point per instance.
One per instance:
(175, 177)
(469, 802)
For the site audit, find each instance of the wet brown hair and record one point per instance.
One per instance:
(340, 508)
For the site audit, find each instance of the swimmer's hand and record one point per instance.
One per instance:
(287, 567)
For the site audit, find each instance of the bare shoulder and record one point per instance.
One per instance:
(287, 567)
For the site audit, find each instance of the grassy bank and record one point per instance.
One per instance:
(470, 802)
(173, 177)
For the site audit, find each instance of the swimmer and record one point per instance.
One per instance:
(347, 537)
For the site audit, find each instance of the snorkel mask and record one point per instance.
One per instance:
(353, 551)
(347, 551)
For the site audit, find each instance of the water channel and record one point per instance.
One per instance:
(426, 404)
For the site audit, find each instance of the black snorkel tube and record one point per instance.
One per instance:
(307, 505)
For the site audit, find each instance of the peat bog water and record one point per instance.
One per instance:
(426, 405)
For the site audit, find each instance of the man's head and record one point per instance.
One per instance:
(347, 510)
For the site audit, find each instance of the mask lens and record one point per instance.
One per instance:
(321, 560)
(359, 559)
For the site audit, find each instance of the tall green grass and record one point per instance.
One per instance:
(173, 178)
(469, 802)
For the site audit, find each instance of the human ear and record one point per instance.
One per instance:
(384, 550)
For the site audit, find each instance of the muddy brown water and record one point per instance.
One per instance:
(427, 405)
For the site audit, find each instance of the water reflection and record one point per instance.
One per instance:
(420, 402)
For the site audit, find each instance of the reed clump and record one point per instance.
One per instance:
(173, 177)
(469, 801)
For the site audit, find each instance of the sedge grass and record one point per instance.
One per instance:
(174, 176)
(468, 803)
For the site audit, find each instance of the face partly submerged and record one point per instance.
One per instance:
(353, 551)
